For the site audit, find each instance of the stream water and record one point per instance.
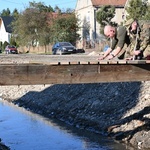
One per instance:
(23, 130)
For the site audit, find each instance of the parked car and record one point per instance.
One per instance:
(63, 48)
(11, 49)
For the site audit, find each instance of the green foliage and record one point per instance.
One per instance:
(30, 27)
(39, 25)
(65, 28)
(6, 12)
(138, 9)
(40, 6)
(105, 14)
(15, 13)
(13, 42)
(147, 14)
(1, 43)
(4, 45)
(57, 9)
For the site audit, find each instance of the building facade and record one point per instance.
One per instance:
(5, 28)
(86, 13)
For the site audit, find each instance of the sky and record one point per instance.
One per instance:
(22, 4)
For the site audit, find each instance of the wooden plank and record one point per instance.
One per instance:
(103, 62)
(43, 62)
(136, 62)
(27, 74)
(83, 62)
(93, 62)
(74, 63)
(122, 62)
(113, 61)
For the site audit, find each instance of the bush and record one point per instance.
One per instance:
(4, 45)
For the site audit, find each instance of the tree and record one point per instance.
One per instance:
(57, 9)
(4, 45)
(12, 41)
(31, 27)
(15, 13)
(138, 9)
(6, 12)
(41, 6)
(65, 27)
(105, 15)
(38, 25)
(147, 14)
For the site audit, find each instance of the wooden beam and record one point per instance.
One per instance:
(72, 73)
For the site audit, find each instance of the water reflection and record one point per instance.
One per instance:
(23, 130)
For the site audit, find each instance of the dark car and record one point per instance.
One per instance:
(63, 48)
(10, 49)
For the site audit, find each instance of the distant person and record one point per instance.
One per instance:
(139, 34)
(119, 41)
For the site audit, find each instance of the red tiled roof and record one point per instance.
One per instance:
(108, 2)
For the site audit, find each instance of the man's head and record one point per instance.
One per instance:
(109, 31)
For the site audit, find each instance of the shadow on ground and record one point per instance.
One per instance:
(95, 107)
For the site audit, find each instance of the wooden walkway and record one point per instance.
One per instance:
(71, 72)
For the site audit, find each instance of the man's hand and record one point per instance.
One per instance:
(101, 58)
(110, 57)
(136, 52)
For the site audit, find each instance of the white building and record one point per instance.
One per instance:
(5, 28)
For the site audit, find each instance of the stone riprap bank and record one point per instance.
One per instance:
(119, 110)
